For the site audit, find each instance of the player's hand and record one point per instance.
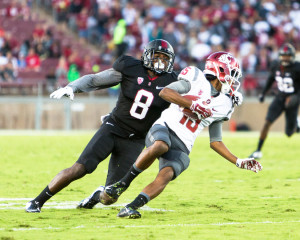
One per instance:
(66, 91)
(261, 98)
(237, 98)
(200, 110)
(249, 164)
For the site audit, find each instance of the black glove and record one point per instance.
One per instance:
(261, 98)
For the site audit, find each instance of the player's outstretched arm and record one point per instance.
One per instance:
(89, 82)
(66, 91)
(247, 163)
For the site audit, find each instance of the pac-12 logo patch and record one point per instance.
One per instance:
(140, 80)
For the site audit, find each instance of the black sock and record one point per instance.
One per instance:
(44, 196)
(140, 201)
(260, 143)
(130, 175)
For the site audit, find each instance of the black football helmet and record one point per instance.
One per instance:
(158, 46)
(286, 54)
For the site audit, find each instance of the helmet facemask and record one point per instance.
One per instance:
(157, 64)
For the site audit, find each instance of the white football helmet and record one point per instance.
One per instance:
(226, 68)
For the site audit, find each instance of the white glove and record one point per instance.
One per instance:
(237, 98)
(66, 91)
(249, 164)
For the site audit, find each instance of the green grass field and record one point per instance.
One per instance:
(212, 199)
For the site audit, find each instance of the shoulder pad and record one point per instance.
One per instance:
(124, 62)
(190, 74)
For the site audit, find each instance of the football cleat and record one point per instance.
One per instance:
(256, 155)
(115, 190)
(33, 207)
(92, 200)
(128, 212)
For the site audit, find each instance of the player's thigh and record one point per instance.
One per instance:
(98, 148)
(123, 156)
(275, 109)
(176, 159)
(158, 133)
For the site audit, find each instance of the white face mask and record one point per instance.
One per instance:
(225, 88)
(159, 65)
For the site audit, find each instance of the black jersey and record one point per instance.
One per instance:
(139, 104)
(287, 78)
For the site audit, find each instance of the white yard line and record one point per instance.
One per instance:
(158, 226)
(19, 204)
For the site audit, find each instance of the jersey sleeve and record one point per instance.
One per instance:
(215, 131)
(124, 62)
(189, 74)
(180, 86)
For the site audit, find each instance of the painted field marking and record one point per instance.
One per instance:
(19, 204)
(158, 226)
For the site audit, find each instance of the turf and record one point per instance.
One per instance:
(212, 199)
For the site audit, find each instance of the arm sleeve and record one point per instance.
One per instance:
(181, 86)
(215, 131)
(104, 79)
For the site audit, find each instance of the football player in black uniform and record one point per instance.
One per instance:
(286, 72)
(123, 131)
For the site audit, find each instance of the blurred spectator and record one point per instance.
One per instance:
(61, 70)
(24, 48)
(11, 67)
(87, 64)
(73, 73)
(169, 34)
(254, 29)
(33, 61)
(13, 10)
(81, 22)
(157, 10)
(76, 59)
(10, 43)
(21, 61)
(60, 10)
(129, 13)
(118, 38)
(263, 60)
(248, 54)
(3, 64)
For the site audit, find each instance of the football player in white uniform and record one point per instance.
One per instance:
(199, 99)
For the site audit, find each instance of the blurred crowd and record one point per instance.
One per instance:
(252, 30)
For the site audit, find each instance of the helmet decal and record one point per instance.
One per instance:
(225, 58)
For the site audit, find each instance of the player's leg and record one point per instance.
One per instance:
(158, 142)
(274, 111)
(97, 150)
(291, 123)
(150, 192)
(123, 156)
(171, 165)
(60, 181)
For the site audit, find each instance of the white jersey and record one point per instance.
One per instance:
(187, 129)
